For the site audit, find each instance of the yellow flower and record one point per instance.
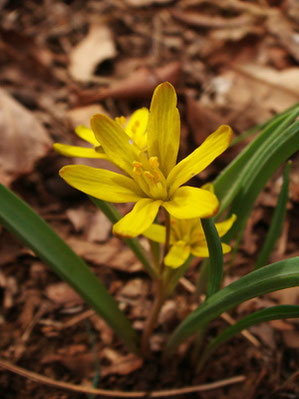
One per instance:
(86, 134)
(135, 128)
(150, 176)
(187, 236)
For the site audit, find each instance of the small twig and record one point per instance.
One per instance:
(225, 316)
(290, 380)
(117, 394)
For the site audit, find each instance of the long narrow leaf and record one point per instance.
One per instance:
(18, 218)
(215, 255)
(263, 125)
(273, 313)
(230, 182)
(113, 215)
(269, 157)
(277, 220)
(270, 278)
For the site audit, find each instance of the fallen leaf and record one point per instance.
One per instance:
(291, 339)
(288, 296)
(202, 119)
(140, 84)
(23, 139)
(211, 21)
(121, 365)
(81, 364)
(92, 252)
(106, 333)
(143, 3)
(62, 294)
(281, 27)
(99, 227)
(286, 80)
(134, 289)
(168, 314)
(95, 48)
(78, 217)
(81, 115)
(260, 90)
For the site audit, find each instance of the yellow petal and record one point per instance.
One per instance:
(224, 226)
(201, 250)
(191, 202)
(76, 151)
(156, 232)
(177, 255)
(200, 158)
(86, 134)
(164, 127)
(138, 220)
(136, 127)
(118, 146)
(101, 183)
(208, 187)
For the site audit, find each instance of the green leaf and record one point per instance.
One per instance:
(172, 276)
(18, 218)
(271, 154)
(237, 174)
(277, 220)
(215, 256)
(270, 278)
(273, 313)
(113, 215)
(261, 126)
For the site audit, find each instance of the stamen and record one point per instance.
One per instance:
(149, 176)
(122, 120)
(136, 167)
(154, 162)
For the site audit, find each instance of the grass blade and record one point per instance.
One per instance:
(18, 218)
(215, 256)
(272, 313)
(270, 278)
(277, 220)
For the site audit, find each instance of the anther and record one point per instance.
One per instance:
(154, 162)
(149, 175)
(136, 167)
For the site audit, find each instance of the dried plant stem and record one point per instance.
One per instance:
(41, 379)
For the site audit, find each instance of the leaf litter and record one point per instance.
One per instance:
(234, 62)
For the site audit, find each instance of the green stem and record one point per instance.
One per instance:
(167, 240)
(160, 294)
(152, 319)
(203, 277)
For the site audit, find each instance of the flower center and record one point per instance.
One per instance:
(149, 177)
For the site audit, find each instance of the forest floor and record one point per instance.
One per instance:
(234, 62)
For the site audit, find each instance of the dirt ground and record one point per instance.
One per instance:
(234, 62)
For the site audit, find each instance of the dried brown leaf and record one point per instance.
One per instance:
(211, 21)
(23, 139)
(62, 294)
(139, 84)
(95, 48)
(120, 364)
(81, 115)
